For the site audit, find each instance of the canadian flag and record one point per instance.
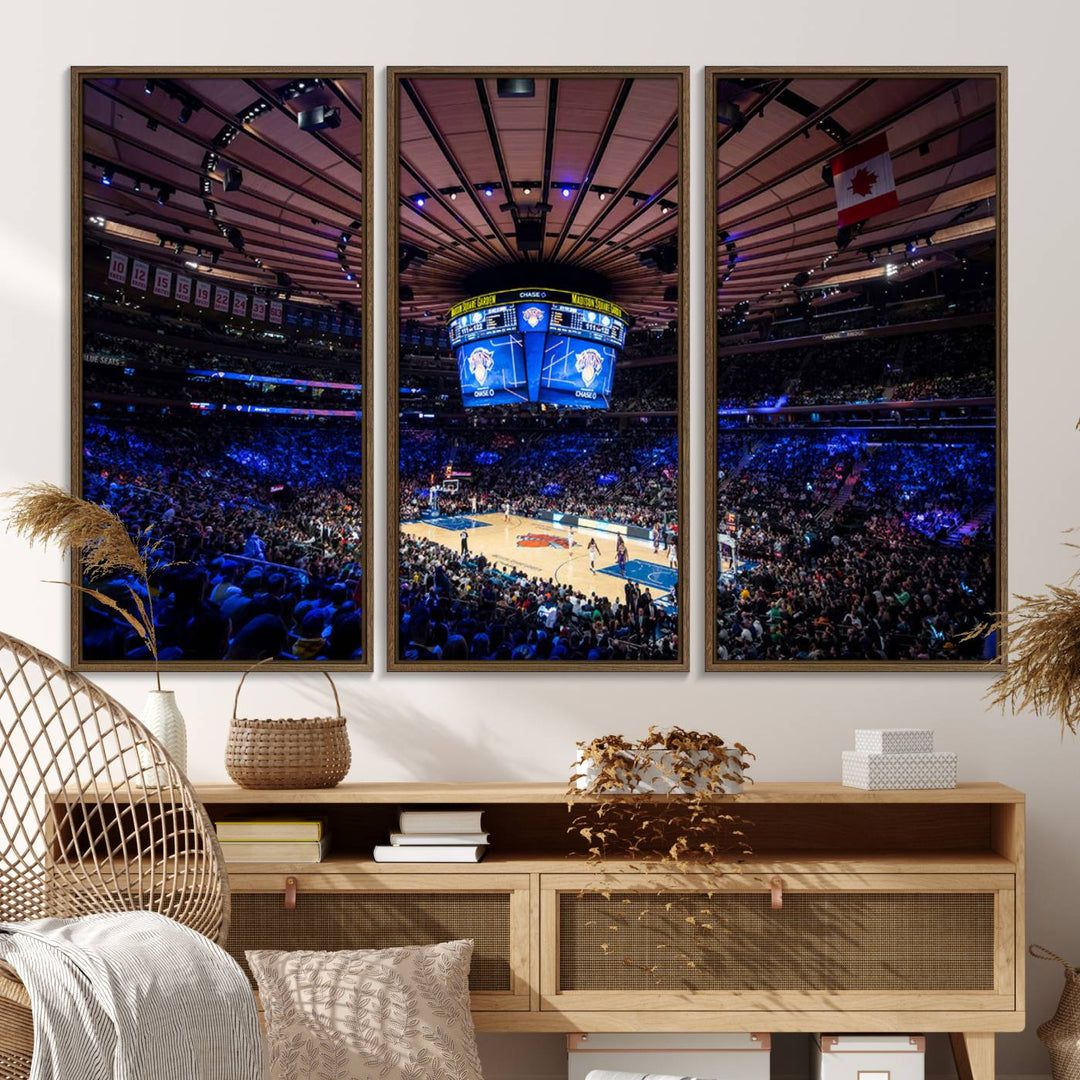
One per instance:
(863, 180)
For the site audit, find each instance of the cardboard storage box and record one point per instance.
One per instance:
(867, 1057)
(702, 1055)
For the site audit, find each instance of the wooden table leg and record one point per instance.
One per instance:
(973, 1052)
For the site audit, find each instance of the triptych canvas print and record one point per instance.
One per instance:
(538, 365)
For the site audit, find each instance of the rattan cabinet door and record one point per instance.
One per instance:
(338, 910)
(851, 942)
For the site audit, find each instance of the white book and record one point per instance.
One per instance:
(435, 853)
(270, 851)
(401, 839)
(440, 821)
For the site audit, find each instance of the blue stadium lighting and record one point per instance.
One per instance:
(348, 277)
(106, 177)
(148, 87)
(566, 193)
(488, 192)
(420, 199)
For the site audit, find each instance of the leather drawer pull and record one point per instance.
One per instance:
(290, 894)
(776, 888)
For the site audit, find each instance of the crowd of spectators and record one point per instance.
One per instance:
(626, 476)
(851, 550)
(259, 518)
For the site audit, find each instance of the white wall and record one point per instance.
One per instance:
(510, 727)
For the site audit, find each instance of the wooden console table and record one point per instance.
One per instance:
(859, 911)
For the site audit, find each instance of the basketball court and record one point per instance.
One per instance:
(542, 548)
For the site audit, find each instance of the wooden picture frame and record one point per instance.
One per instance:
(400, 202)
(772, 82)
(282, 216)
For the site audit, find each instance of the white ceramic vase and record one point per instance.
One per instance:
(163, 719)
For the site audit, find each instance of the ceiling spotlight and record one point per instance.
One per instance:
(488, 192)
(185, 114)
(526, 191)
(912, 247)
(453, 196)
(419, 200)
(106, 177)
(148, 86)
(191, 264)
(137, 185)
(603, 195)
(566, 193)
(348, 277)
(164, 194)
(664, 209)
(178, 248)
(344, 237)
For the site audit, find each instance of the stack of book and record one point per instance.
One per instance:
(276, 840)
(427, 836)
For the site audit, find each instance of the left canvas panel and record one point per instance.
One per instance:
(221, 358)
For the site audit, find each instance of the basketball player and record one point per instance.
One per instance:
(474, 502)
(594, 550)
(656, 539)
(570, 541)
(506, 511)
(620, 554)
(673, 557)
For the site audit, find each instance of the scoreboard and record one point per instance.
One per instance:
(537, 345)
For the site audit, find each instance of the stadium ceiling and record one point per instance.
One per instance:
(776, 211)
(159, 154)
(582, 174)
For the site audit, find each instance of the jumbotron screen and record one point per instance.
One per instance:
(541, 345)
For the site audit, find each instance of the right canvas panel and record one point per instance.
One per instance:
(855, 368)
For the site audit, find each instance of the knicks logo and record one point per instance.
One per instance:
(590, 363)
(539, 540)
(480, 363)
(533, 316)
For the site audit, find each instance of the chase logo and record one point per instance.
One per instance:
(590, 363)
(480, 363)
(533, 316)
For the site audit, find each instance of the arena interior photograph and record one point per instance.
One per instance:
(855, 367)
(220, 350)
(537, 376)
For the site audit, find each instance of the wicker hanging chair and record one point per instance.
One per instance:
(94, 817)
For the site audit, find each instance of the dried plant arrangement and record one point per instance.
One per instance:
(47, 514)
(1043, 673)
(611, 791)
(663, 802)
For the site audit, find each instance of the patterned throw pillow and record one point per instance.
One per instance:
(395, 1014)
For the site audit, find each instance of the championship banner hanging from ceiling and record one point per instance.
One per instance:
(258, 308)
(239, 305)
(275, 312)
(118, 265)
(183, 288)
(202, 294)
(140, 275)
(162, 282)
(863, 181)
(221, 298)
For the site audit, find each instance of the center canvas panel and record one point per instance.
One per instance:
(537, 368)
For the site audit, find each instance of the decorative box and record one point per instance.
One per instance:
(895, 740)
(898, 772)
(867, 1057)
(731, 1055)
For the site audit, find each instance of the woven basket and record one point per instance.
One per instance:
(1061, 1033)
(310, 752)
